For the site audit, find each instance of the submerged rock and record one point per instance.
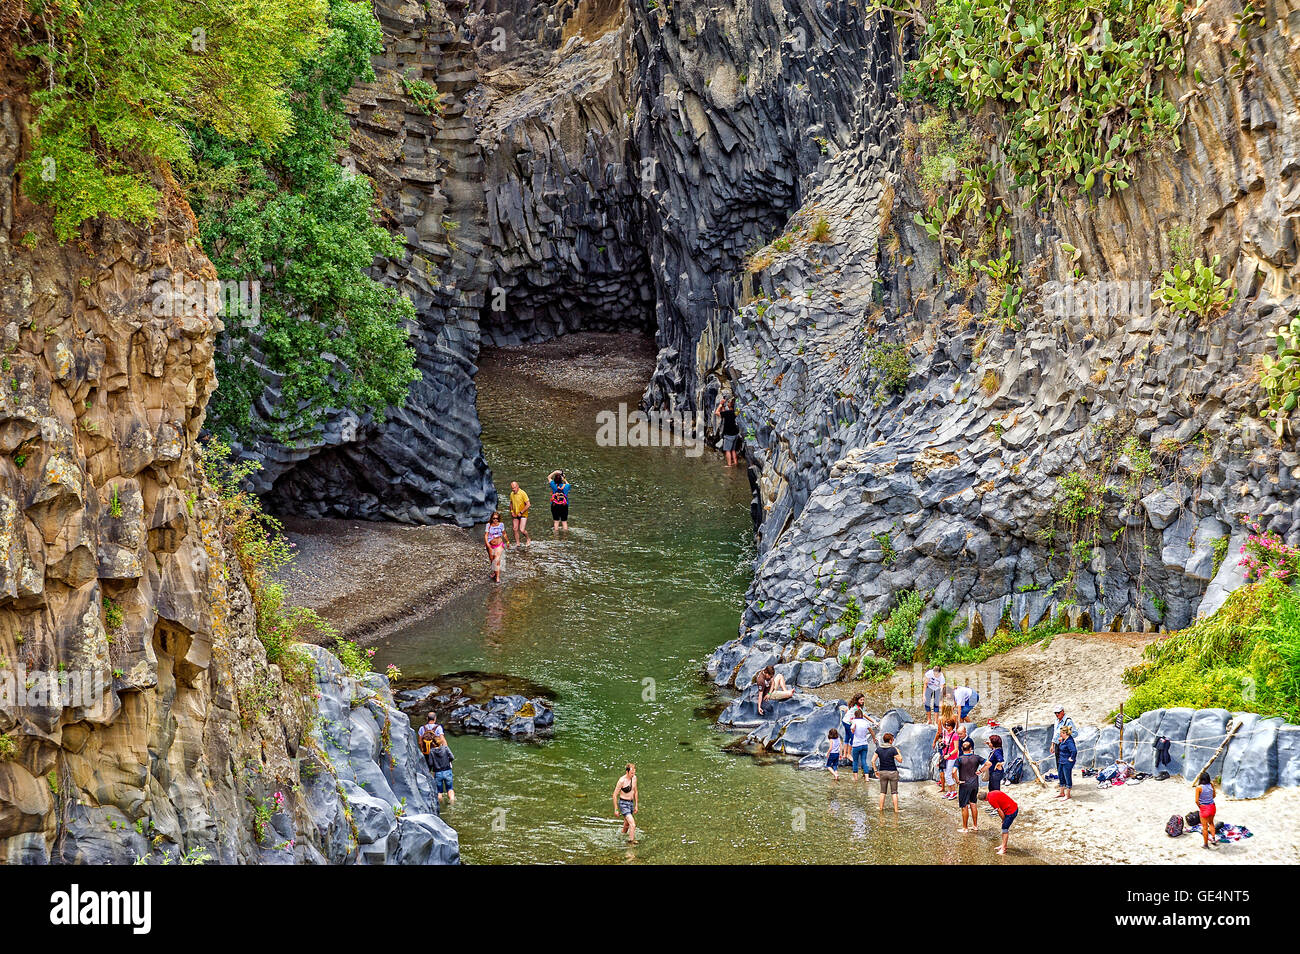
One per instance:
(471, 702)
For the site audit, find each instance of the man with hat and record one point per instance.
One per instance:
(1063, 722)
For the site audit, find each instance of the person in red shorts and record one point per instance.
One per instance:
(1204, 789)
(1007, 811)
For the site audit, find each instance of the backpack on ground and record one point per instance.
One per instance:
(1192, 818)
(1014, 772)
(1174, 827)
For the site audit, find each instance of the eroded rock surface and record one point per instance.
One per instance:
(140, 717)
(950, 482)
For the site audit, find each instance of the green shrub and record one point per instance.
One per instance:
(1196, 289)
(1081, 81)
(892, 365)
(940, 644)
(899, 640)
(876, 668)
(1245, 657)
(1281, 375)
(258, 541)
(291, 217)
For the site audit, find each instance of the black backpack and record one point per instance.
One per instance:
(1014, 772)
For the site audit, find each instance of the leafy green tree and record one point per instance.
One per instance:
(289, 215)
(119, 81)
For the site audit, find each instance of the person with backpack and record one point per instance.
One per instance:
(1204, 791)
(730, 443)
(1007, 810)
(885, 762)
(440, 759)
(426, 735)
(559, 500)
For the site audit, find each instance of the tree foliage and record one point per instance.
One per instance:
(120, 81)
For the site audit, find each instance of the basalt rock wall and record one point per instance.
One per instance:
(518, 203)
(955, 481)
(140, 717)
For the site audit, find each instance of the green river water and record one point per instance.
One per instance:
(650, 579)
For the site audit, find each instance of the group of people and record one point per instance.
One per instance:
(959, 765)
(494, 536)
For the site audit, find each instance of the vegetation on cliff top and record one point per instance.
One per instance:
(245, 103)
(1080, 81)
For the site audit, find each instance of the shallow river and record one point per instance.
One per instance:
(617, 620)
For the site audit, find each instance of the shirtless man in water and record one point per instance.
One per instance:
(626, 801)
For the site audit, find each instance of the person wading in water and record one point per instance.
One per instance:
(519, 504)
(559, 500)
(494, 538)
(627, 801)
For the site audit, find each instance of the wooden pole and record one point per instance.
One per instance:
(1032, 764)
(1226, 739)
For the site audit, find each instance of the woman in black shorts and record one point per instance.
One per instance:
(559, 500)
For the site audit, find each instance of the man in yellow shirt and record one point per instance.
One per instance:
(519, 512)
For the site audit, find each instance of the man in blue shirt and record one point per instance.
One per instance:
(1062, 720)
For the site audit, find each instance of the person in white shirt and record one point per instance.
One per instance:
(965, 698)
(934, 681)
(860, 725)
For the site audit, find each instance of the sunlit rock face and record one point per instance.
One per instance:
(139, 716)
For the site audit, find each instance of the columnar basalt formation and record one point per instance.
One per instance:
(139, 715)
(518, 202)
(950, 483)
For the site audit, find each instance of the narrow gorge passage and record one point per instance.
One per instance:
(650, 580)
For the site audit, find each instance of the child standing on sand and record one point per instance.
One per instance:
(833, 756)
(1204, 790)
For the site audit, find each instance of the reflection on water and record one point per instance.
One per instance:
(616, 617)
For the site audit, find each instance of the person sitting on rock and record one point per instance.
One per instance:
(771, 685)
